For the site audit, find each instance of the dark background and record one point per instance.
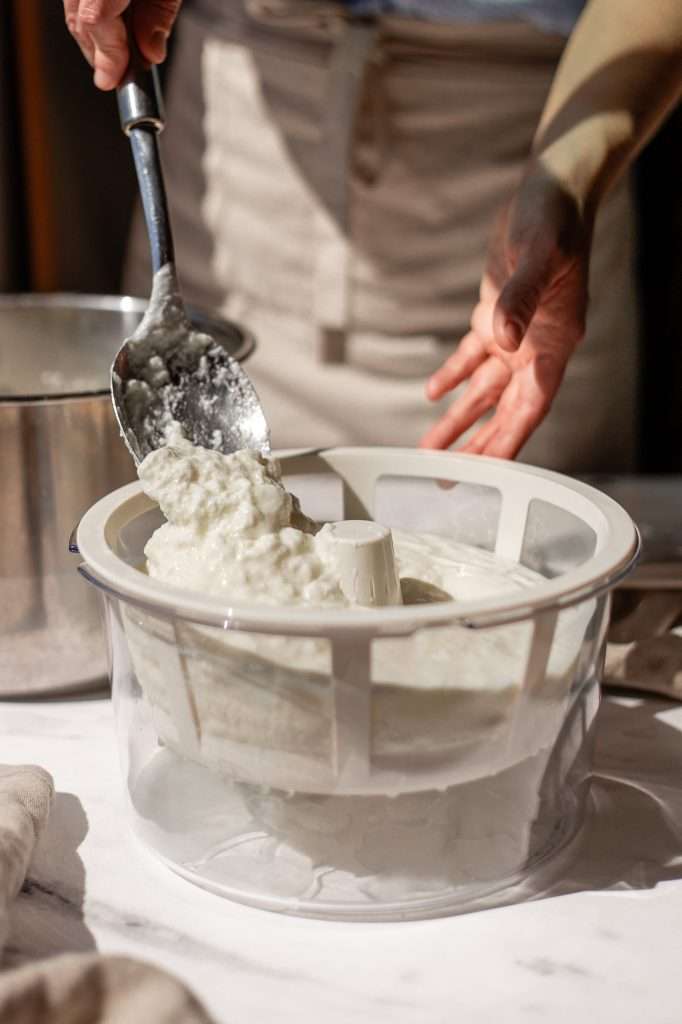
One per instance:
(67, 192)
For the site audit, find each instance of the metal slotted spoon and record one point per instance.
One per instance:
(169, 380)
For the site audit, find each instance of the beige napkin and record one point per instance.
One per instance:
(77, 988)
(26, 794)
(644, 651)
(92, 989)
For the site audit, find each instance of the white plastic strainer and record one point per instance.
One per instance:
(327, 714)
(111, 538)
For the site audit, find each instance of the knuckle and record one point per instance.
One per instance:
(92, 13)
(113, 49)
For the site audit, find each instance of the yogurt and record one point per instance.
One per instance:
(234, 531)
(263, 707)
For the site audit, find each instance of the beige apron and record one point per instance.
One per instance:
(333, 184)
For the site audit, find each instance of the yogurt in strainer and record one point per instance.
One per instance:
(234, 531)
(261, 703)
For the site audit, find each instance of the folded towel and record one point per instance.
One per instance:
(76, 988)
(87, 988)
(26, 793)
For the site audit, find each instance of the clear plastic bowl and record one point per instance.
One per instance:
(371, 764)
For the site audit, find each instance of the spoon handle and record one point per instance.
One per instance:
(145, 147)
(139, 94)
(142, 118)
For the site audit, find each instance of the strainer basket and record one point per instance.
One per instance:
(368, 763)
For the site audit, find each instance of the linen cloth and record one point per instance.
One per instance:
(92, 989)
(77, 988)
(26, 793)
(333, 183)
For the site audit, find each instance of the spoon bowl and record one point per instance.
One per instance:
(168, 380)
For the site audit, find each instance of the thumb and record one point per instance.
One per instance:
(519, 299)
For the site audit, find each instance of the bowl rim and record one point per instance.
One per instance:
(94, 302)
(108, 571)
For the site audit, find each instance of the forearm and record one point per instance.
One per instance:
(620, 74)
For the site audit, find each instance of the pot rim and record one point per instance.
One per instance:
(209, 322)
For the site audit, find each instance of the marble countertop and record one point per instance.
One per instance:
(604, 943)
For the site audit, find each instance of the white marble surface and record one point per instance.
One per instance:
(604, 946)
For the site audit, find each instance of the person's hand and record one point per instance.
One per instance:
(98, 28)
(529, 319)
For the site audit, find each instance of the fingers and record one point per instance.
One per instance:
(71, 14)
(99, 30)
(468, 355)
(483, 326)
(518, 301)
(489, 291)
(481, 394)
(478, 441)
(73, 25)
(111, 56)
(499, 439)
(152, 22)
(525, 403)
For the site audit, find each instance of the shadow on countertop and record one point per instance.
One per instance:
(47, 917)
(632, 837)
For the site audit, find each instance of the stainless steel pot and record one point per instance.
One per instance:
(59, 452)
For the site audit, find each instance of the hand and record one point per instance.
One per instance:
(528, 321)
(98, 28)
